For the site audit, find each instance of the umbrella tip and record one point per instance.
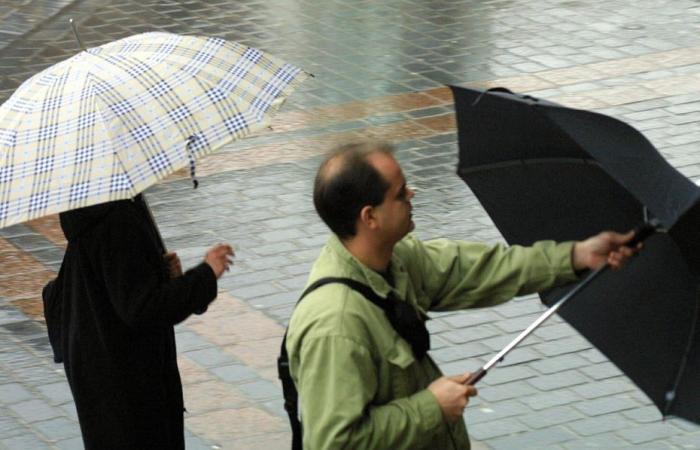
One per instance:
(75, 33)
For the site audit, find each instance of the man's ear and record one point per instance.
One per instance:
(367, 218)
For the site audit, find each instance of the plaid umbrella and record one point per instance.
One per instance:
(112, 120)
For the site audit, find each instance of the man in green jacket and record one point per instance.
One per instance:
(360, 384)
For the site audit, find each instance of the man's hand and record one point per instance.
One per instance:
(452, 395)
(219, 258)
(174, 265)
(606, 247)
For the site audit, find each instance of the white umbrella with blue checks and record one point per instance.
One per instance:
(111, 121)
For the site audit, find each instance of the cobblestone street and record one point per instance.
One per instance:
(380, 71)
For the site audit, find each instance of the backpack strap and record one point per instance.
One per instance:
(291, 395)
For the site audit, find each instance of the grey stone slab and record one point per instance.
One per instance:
(539, 439)
(551, 417)
(261, 390)
(189, 340)
(550, 399)
(56, 393)
(599, 424)
(493, 411)
(234, 373)
(35, 410)
(559, 363)
(75, 443)
(14, 393)
(604, 388)
(463, 351)
(649, 432)
(210, 357)
(608, 404)
(24, 442)
(603, 441)
(506, 391)
(502, 427)
(57, 429)
(558, 380)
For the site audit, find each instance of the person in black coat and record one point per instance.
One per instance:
(119, 297)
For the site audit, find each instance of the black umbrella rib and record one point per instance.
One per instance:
(526, 162)
(671, 394)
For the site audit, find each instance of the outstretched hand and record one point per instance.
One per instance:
(606, 247)
(219, 258)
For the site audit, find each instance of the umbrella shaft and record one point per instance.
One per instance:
(551, 310)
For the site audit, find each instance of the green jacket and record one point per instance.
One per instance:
(359, 384)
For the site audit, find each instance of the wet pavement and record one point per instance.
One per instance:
(380, 72)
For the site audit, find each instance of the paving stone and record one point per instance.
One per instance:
(234, 373)
(648, 432)
(598, 425)
(493, 412)
(558, 380)
(533, 439)
(551, 417)
(603, 388)
(506, 391)
(261, 389)
(605, 405)
(501, 427)
(550, 399)
(75, 443)
(24, 442)
(602, 441)
(13, 393)
(210, 357)
(56, 393)
(59, 428)
(34, 410)
(559, 363)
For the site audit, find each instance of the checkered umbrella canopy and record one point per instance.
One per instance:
(113, 120)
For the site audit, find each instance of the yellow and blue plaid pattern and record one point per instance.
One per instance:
(111, 121)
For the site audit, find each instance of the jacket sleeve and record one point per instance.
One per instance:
(336, 383)
(133, 273)
(458, 274)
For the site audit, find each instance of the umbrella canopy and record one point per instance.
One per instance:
(543, 171)
(113, 120)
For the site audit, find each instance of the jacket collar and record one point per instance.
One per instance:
(369, 276)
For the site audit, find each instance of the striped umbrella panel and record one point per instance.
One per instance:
(111, 121)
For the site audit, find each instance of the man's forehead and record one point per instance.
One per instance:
(387, 166)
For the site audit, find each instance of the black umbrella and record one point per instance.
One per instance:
(543, 171)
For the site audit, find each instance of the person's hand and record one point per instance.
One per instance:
(452, 395)
(172, 261)
(219, 258)
(606, 247)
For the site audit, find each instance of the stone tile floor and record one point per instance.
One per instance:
(380, 72)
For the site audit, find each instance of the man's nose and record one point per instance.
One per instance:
(410, 193)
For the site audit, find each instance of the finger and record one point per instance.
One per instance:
(623, 238)
(461, 379)
(471, 391)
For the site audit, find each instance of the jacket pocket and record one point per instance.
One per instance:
(402, 369)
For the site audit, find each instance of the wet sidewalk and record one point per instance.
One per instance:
(380, 71)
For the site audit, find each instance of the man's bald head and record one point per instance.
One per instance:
(346, 182)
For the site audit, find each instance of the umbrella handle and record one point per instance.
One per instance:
(643, 231)
(476, 376)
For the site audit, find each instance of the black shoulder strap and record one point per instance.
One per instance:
(291, 396)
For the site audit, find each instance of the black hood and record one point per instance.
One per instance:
(77, 221)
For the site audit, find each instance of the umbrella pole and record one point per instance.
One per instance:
(479, 374)
(641, 232)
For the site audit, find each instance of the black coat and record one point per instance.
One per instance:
(116, 327)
